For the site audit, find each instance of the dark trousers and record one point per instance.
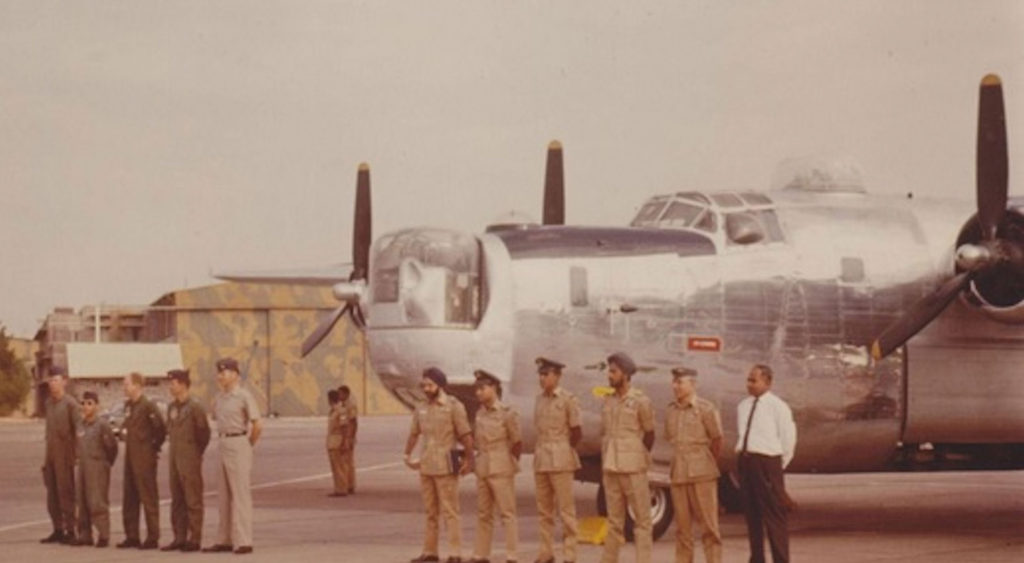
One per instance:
(762, 491)
(186, 478)
(140, 488)
(59, 477)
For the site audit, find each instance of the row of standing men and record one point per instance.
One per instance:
(491, 450)
(78, 438)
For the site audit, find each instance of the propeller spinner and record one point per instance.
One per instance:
(362, 233)
(991, 251)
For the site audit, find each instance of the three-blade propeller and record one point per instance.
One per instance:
(554, 186)
(991, 251)
(362, 236)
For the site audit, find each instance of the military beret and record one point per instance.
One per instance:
(544, 364)
(625, 363)
(57, 370)
(180, 375)
(683, 372)
(486, 378)
(91, 396)
(436, 375)
(227, 363)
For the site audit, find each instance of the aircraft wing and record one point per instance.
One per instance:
(317, 275)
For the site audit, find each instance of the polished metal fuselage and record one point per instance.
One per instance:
(809, 306)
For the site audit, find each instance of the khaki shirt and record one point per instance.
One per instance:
(690, 427)
(441, 423)
(336, 422)
(234, 410)
(553, 416)
(497, 430)
(351, 413)
(624, 421)
(62, 418)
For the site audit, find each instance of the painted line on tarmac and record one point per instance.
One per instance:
(167, 501)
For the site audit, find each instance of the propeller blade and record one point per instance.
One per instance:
(322, 330)
(554, 186)
(362, 230)
(992, 159)
(919, 315)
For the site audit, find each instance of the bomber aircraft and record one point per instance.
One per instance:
(893, 323)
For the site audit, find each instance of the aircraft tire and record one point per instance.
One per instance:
(662, 513)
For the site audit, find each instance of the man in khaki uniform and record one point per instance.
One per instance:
(627, 434)
(62, 420)
(441, 421)
(556, 417)
(188, 432)
(348, 445)
(694, 428)
(499, 444)
(97, 450)
(144, 433)
(335, 441)
(238, 427)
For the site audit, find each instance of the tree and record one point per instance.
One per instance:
(15, 381)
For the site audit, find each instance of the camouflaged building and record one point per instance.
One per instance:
(263, 326)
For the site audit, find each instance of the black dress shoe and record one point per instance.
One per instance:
(218, 548)
(69, 539)
(453, 559)
(243, 549)
(149, 544)
(128, 543)
(190, 546)
(173, 546)
(103, 542)
(55, 537)
(424, 559)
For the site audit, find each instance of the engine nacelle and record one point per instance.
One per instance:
(996, 290)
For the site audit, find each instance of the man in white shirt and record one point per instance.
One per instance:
(767, 440)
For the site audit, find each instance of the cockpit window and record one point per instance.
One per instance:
(727, 200)
(708, 222)
(681, 214)
(433, 273)
(648, 214)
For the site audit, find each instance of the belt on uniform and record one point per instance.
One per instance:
(231, 434)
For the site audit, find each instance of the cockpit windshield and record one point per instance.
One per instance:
(433, 275)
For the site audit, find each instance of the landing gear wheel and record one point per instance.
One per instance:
(662, 512)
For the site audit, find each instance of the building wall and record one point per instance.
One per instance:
(263, 327)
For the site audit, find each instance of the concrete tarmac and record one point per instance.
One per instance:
(883, 517)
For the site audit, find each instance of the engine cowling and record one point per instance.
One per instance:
(998, 289)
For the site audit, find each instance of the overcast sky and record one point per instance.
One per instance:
(144, 144)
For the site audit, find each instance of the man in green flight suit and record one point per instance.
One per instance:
(97, 450)
(188, 433)
(144, 434)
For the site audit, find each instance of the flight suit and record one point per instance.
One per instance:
(188, 434)
(234, 410)
(144, 433)
(497, 430)
(63, 417)
(690, 427)
(336, 423)
(348, 448)
(441, 423)
(554, 463)
(624, 460)
(97, 450)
